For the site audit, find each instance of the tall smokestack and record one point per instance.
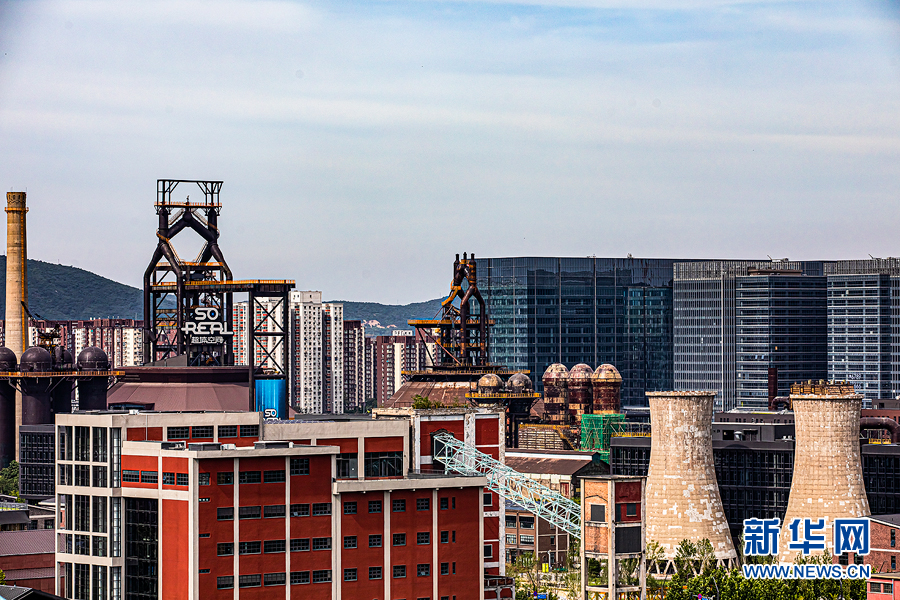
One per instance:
(16, 326)
(683, 501)
(828, 477)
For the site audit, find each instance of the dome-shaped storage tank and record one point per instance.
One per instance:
(520, 383)
(607, 383)
(8, 363)
(92, 390)
(489, 384)
(580, 397)
(8, 360)
(555, 381)
(62, 388)
(36, 390)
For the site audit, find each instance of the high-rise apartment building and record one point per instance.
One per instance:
(315, 345)
(354, 367)
(591, 310)
(333, 357)
(241, 336)
(121, 339)
(370, 376)
(395, 353)
(306, 366)
(732, 320)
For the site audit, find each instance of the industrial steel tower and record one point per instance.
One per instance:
(683, 501)
(828, 478)
(169, 298)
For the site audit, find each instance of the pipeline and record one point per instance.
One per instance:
(881, 423)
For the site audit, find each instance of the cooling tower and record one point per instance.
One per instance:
(555, 380)
(683, 499)
(606, 381)
(828, 478)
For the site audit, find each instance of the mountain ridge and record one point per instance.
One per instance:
(65, 293)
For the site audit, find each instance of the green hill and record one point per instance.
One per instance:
(381, 319)
(59, 293)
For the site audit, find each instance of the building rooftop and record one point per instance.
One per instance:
(28, 541)
(181, 396)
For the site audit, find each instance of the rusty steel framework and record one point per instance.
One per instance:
(169, 278)
(462, 338)
(188, 305)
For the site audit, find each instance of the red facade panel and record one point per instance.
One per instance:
(345, 444)
(629, 491)
(427, 428)
(487, 431)
(361, 525)
(462, 558)
(139, 434)
(140, 463)
(384, 444)
(174, 549)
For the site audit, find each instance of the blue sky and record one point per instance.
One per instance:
(361, 140)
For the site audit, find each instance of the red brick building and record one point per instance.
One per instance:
(26, 558)
(225, 505)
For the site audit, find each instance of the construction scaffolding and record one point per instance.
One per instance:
(596, 430)
(511, 485)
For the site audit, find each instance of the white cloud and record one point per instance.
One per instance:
(420, 130)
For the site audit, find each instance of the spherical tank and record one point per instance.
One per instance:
(92, 358)
(580, 397)
(490, 384)
(606, 383)
(61, 392)
(8, 360)
(555, 380)
(520, 383)
(8, 363)
(36, 390)
(92, 390)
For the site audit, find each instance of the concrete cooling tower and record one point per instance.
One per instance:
(828, 478)
(683, 500)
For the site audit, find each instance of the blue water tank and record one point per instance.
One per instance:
(271, 398)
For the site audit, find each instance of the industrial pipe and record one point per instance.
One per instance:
(881, 423)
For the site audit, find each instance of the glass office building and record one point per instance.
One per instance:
(780, 322)
(590, 310)
(729, 316)
(863, 320)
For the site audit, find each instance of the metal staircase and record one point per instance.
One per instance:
(508, 483)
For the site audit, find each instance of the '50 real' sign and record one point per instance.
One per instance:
(206, 325)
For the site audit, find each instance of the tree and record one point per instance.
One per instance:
(9, 480)
(526, 567)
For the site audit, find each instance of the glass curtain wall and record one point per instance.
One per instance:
(583, 310)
